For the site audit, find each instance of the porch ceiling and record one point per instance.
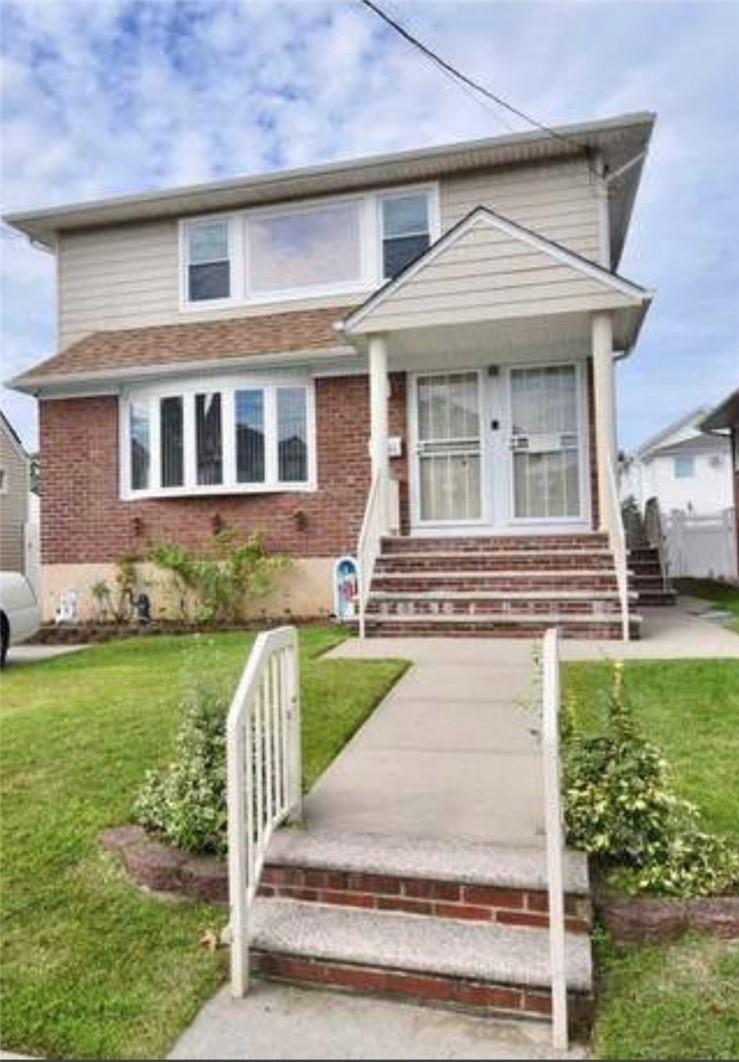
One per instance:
(552, 336)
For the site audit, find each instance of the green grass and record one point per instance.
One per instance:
(91, 966)
(721, 594)
(676, 1000)
(690, 709)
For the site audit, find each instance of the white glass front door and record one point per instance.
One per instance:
(448, 447)
(545, 442)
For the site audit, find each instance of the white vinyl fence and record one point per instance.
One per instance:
(264, 776)
(701, 546)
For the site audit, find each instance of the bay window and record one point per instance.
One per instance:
(219, 439)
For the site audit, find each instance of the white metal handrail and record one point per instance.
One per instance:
(381, 516)
(264, 775)
(617, 542)
(554, 830)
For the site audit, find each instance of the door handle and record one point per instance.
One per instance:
(494, 425)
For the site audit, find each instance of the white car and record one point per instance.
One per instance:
(20, 616)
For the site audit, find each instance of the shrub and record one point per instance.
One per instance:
(619, 805)
(215, 586)
(186, 801)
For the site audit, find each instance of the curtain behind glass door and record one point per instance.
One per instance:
(449, 447)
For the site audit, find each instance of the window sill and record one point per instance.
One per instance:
(219, 490)
(363, 289)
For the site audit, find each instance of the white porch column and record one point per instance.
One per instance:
(378, 403)
(604, 395)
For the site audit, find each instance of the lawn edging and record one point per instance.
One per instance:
(163, 868)
(653, 920)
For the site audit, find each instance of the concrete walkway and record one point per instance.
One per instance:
(448, 754)
(276, 1021)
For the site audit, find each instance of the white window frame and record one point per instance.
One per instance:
(434, 219)
(226, 386)
(371, 236)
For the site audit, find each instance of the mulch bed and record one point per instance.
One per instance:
(86, 633)
(163, 868)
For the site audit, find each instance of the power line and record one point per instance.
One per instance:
(457, 74)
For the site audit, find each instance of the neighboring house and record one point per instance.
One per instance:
(249, 352)
(725, 419)
(682, 467)
(15, 484)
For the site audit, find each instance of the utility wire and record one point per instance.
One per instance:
(444, 65)
(479, 100)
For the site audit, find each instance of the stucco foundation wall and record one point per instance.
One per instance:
(303, 591)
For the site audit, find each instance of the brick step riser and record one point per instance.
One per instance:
(656, 598)
(477, 997)
(476, 582)
(486, 607)
(469, 562)
(386, 628)
(422, 896)
(475, 545)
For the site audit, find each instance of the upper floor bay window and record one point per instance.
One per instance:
(225, 439)
(324, 247)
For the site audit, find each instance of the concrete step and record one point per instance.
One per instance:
(502, 625)
(447, 579)
(486, 968)
(492, 602)
(423, 876)
(492, 543)
(498, 560)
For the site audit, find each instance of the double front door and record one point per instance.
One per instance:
(499, 448)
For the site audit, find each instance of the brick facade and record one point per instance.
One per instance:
(84, 519)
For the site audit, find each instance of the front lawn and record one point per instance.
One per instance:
(91, 967)
(690, 709)
(675, 1000)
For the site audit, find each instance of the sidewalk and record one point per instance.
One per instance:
(276, 1021)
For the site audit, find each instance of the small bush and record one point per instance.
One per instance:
(619, 805)
(214, 587)
(186, 802)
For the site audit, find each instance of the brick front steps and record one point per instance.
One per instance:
(481, 968)
(511, 587)
(422, 896)
(647, 578)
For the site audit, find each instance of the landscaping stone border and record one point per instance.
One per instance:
(164, 868)
(86, 633)
(649, 920)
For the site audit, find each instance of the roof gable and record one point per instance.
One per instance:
(490, 266)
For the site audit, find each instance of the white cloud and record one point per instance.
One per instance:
(102, 97)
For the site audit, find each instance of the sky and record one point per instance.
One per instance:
(103, 98)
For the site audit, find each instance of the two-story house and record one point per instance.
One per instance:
(409, 357)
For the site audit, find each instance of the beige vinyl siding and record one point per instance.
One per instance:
(488, 274)
(13, 505)
(557, 200)
(128, 276)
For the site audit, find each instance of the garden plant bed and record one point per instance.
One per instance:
(653, 919)
(97, 632)
(161, 867)
(92, 965)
